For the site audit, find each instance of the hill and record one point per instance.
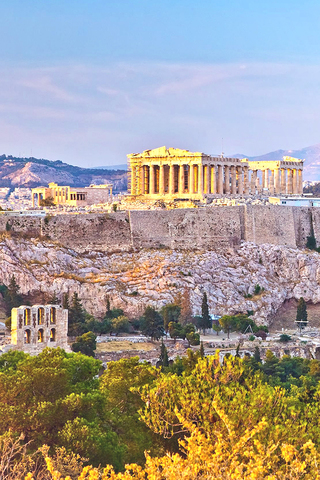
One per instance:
(34, 172)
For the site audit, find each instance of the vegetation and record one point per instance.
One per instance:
(302, 314)
(85, 344)
(239, 419)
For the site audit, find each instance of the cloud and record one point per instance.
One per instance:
(90, 114)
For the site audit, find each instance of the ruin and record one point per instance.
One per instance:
(169, 173)
(73, 197)
(36, 327)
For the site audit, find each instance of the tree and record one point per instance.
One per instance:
(201, 350)
(53, 300)
(302, 314)
(170, 313)
(76, 317)
(12, 298)
(186, 309)
(205, 317)
(65, 301)
(285, 338)
(120, 324)
(85, 344)
(176, 330)
(193, 338)
(228, 324)
(216, 327)
(152, 324)
(163, 359)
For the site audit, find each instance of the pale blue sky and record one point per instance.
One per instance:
(90, 81)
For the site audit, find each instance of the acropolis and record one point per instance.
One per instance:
(170, 173)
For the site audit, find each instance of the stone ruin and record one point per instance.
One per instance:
(36, 327)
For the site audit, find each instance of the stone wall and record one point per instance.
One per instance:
(204, 228)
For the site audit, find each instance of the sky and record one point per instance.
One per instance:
(89, 81)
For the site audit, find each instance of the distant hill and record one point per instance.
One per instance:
(35, 172)
(311, 155)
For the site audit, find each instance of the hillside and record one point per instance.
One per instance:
(33, 172)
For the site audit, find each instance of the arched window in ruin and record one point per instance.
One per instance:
(27, 336)
(52, 335)
(40, 316)
(27, 316)
(40, 336)
(53, 315)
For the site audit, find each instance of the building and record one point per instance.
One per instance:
(74, 197)
(34, 328)
(170, 173)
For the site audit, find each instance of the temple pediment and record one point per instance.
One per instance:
(166, 152)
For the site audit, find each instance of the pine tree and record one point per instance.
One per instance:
(163, 359)
(11, 296)
(54, 299)
(302, 314)
(205, 319)
(76, 316)
(201, 350)
(65, 301)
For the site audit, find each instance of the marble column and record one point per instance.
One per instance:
(161, 180)
(233, 180)
(283, 186)
(181, 179)
(133, 180)
(191, 179)
(213, 180)
(263, 183)
(227, 179)
(240, 180)
(171, 180)
(200, 179)
(271, 182)
(142, 181)
(294, 181)
(300, 184)
(253, 185)
(220, 179)
(152, 178)
(207, 182)
(277, 189)
(246, 180)
(289, 183)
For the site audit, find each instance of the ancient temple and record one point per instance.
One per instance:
(171, 173)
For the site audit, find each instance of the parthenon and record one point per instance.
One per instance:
(171, 173)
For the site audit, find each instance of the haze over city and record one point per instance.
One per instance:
(88, 82)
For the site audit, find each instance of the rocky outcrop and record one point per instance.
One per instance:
(156, 277)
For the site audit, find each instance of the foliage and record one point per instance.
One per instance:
(170, 313)
(54, 399)
(216, 327)
(11, 296)
(53, 300)
(46, 202)
(228, 324)
(285, 338)
(193, 338)
(113, 313)
(204, 321)
(152, 324)
(176, 330)
(120, 324)
(163, 359)
(76, 322)
(85, 344)
(257, 289)
(302, 314)
(186, 309)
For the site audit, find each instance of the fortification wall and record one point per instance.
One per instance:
(190, 228)
(203, 228)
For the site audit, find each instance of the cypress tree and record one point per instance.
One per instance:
(302, 314)
(205, 319)
(201, 350)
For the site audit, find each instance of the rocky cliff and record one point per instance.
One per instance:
(155, 277)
